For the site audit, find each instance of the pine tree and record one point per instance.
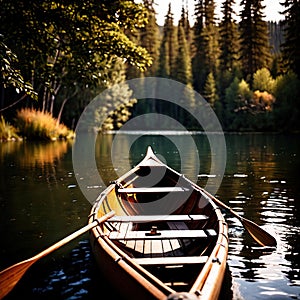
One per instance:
(229, 40)
(185, 23)
(164, 62)
(168, 49)
(147, 37)
(231, 96)
(150, 38)
(206, 59)
(230, 47)
(183, 60)
(197, 61)
(210, 91)
(255, 46)
(291, 46)
(184, 71)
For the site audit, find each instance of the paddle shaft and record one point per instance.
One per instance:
(11, 275)
(73, 236)
(220, 203)
(260, 235)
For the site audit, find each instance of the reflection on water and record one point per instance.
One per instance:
(41, 202)
(35, 153)
(267, 195)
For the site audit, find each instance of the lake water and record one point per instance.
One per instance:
(41, 202)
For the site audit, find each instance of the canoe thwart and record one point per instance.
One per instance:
(171, 260)
(157, 218)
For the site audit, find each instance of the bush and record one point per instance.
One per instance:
(7, 131)
(35, 124)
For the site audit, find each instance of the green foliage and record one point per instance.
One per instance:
(206, 42)
(169, 47)
(150, 38)
(287, 105)
(10, 75)
(210, 90)
(75, 50)
(231, 96)
(34, 124)
(120, 98)
(255, 48)
(246, 110)
(245, 93)
(147, 37)
(291, 44)
(229, 40)
(164, 61)
(183, 59)
(263, 81)
(67, 47)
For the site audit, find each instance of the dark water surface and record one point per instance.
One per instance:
(41, 202)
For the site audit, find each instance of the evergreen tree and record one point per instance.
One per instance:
(150, 39)
(231, 96)
(276, 33)
(206, 59)
(210, 91)
(169, 38)
(229, 56)
(291, 46)
(229, 41)
(255, 46)
(184, 70)
(197, 61)
(164, 60)
(183, 60)
(185, 23)
(286, 106)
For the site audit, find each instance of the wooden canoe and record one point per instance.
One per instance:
(168, 240)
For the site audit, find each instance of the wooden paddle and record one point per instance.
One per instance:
(261, 236)
(10, 276)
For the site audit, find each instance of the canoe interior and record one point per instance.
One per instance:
(164, 225)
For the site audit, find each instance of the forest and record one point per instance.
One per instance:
(56, 56)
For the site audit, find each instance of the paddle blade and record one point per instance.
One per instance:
(259, 235)
(10, 276)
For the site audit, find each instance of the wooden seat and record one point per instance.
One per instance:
(157, 218)
(163, 234)
(152, 190)
(171, 260)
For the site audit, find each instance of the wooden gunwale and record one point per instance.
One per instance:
(217, 258)
(155, 286)
(208, 282)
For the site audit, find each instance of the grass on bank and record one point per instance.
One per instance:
(7, 131)
(33, 124)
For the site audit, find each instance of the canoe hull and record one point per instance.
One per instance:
(117, 276)
(181, 255)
